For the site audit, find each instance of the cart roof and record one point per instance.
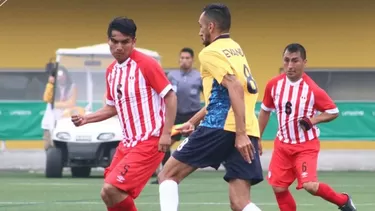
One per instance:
(100, 50)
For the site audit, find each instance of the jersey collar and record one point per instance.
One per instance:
(126, 62)
(222, 36)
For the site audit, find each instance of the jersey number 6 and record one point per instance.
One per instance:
(251, 85)
(288, 108)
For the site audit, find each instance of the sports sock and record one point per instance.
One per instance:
(328, 194)
(126, 205)
(168, 193)
(286, 201)
(251, 207)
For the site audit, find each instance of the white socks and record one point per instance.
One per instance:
(168, 195)
(251, 207)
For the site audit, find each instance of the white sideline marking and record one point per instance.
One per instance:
(146, 203)
(153, 185)
(49, 184)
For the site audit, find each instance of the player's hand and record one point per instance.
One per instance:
(186, 129)
(78, 120)
(305, 123)
(245, 147)
(165, 142)
(260, 147)
(51, 79)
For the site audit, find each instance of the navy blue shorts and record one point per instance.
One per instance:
(210, 147)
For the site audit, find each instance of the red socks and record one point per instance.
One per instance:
(330, 195)
(286, 201)
(126, 205)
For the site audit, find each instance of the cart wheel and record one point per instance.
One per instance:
(54, 163)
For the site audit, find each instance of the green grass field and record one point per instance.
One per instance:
(200, 192)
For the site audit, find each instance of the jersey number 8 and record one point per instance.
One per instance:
(251, 85)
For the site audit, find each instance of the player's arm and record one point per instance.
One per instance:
(266, 108)
(325, 105)
(220, 69)
(236, 96)
(102, 114)
(170, 111)
(198, 117)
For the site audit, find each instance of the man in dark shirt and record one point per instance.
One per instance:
(187, 83)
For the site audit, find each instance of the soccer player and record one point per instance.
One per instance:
(296, 100)
(139, 92)
(229, 131)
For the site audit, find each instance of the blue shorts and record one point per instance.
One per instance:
(210, 147)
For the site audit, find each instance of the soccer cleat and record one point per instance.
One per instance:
(349, 205)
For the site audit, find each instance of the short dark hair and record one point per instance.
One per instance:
(124, 25)
(220, 14)
(296, 47)
(188, 50)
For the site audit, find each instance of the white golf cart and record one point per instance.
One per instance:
(91, 145)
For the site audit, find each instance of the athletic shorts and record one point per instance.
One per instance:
(293, 161)
(132, 167)
(210, 147)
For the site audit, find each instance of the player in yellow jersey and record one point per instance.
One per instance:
(228, 132)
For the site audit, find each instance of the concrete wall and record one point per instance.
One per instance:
(336, 33)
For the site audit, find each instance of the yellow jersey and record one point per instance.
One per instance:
(225, 56)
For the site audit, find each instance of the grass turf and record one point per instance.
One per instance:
(201, 191)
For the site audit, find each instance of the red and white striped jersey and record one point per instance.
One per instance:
(292, 101)
(137, 88)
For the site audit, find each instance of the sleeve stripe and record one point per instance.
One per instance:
(110, 102)
(266, 108)
(165, 90)
(332, 111)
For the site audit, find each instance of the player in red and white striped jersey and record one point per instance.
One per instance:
(299, 104)
(139, 92)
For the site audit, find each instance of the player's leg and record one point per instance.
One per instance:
(180, 119)
(128, 178)
(170, 176)
(117, 157)
(197, 151)
(281, 175)
(306, 169)
(240, 176)
(167, 155)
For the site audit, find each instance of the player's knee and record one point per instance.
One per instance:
(239, 194)
(108, 191)
(311, 187)
(167, 174)
(238, 204)
(279, 189)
